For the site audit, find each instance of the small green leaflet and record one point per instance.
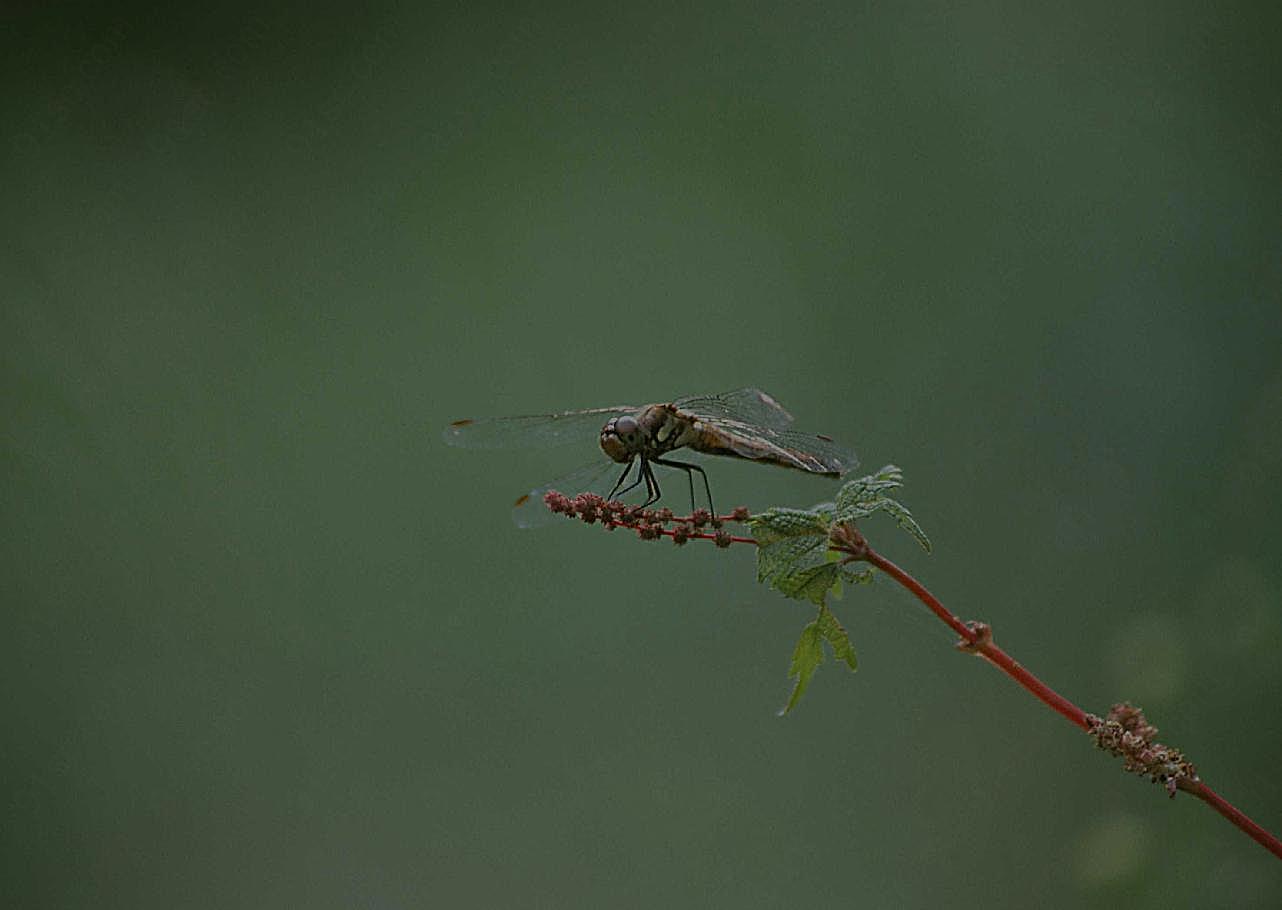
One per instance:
(861, 498)
(809, 653)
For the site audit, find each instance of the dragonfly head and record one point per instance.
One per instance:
(621, 438)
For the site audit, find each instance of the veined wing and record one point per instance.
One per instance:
(531, 429)
(594, 477)
(748, 406)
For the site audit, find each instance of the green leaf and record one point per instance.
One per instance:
(812, 583)
(792, 553)
(872, 486)
(835, 558)
(781, 524)
(809, 653)
(862, 575)
(806, 658)
(905, 520)
(862, 497)
(837, 637)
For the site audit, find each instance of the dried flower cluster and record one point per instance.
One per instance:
(650, 524)
(1128, 734)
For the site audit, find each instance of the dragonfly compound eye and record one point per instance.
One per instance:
(611, 443)
(626, 426)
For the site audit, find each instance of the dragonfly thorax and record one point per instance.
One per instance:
(651, 433)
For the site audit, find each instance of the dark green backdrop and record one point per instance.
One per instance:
(267, 642)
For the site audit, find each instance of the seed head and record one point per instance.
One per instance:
(1127, 734)
(557, 502)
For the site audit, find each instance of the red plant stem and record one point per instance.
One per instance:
(1235, 815)
(981, 643)
(979, 640)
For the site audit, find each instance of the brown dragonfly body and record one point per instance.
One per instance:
(662, 428)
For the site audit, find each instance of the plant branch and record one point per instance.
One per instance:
(978, 639)
(1236, 816)
(1125, 732)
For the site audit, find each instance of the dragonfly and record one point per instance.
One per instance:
(745, 423)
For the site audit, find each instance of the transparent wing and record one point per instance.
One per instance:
(531, 430)
(749, 406)
(594, 477)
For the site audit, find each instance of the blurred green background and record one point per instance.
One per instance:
(267, 642)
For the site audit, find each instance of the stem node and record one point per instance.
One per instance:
(983, 638)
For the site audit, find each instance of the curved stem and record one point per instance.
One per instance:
(981, 643)
(977, 638)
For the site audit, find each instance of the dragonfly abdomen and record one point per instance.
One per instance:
(719, 442)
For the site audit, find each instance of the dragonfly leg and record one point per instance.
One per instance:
(690, 469)
(618, 483)
(651, 484)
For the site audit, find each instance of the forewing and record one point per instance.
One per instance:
(747, 406)
(531, 429)
(594, 477)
